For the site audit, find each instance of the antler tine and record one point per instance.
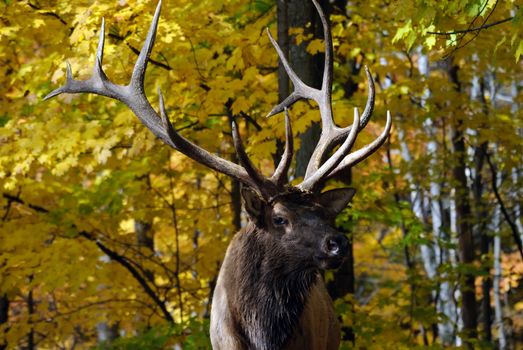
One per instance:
(301, 90)
(369, 106)
(100, 51)
(362, 154)
(97, 83)
(285, 162)
(329, 141)
(133, 96)
(335, 159)
(199, 154)
(327, 69)
(138, 77)
(257, 178)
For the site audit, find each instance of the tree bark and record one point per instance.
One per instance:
(444, 299)
(144, 234)
(309, 68)
(498, 273)
(480, 224)
(463, 217)
(283, 41)
(30, 310)
(283, 78)
(4, 315)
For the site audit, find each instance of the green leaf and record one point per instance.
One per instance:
(402, 32)
(519, 51)
(4, 119)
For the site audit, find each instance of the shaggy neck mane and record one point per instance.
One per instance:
(268, 290)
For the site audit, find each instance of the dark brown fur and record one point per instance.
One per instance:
(268, 289)
(269, 268)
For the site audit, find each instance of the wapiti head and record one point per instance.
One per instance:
(299, 216)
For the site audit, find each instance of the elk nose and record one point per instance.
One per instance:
(336, 246)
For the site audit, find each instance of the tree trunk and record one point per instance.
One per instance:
(309, 68)
(444, 298)
(517, 193)
(30, 310)
(453, 256)
(478, 93)
(4, 316)
(283, 78)
(416, 201)
(463, 217)
(498, 273)
(106, 333)
(144, 235)
(283, 41)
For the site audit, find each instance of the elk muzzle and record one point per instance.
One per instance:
(334, 249)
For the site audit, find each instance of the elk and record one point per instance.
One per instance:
(269, 292)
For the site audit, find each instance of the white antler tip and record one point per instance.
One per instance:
(158, 8)
(68, 71)
(163, 113)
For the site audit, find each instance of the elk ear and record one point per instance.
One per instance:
(336, 200)
(253, 203)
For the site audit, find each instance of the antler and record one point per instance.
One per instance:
(319, 170)
(133, 95)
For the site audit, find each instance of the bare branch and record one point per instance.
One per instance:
(502, 206)
(485, 26)
(113, 255)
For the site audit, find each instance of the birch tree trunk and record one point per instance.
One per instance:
(498, 273)
(453, 255)
(416, 199)
(445, 302)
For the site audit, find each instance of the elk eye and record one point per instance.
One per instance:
(279, 221)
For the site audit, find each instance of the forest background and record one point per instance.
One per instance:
(111, 240)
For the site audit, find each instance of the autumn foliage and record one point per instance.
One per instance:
(111, 240)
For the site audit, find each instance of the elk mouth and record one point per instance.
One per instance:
(326, 262)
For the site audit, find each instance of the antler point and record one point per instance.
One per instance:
(53, 94)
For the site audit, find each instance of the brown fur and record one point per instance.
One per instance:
(269, 294)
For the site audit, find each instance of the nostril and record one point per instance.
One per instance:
(333, 246)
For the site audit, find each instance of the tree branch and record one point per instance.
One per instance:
(485, 26)
(137, 52)
(109, 252)
(129, 267)
(17, 199)
(502, 206)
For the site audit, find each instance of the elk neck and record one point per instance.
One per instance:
(267, 288)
